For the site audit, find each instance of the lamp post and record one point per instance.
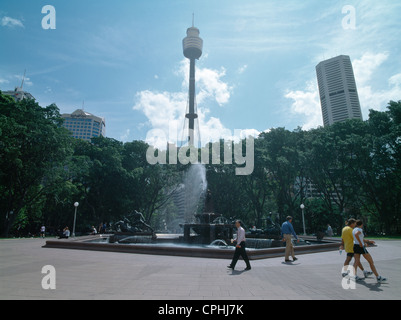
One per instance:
(302, 206)
(76, 204)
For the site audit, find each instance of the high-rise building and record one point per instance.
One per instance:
(18, 94)
(338, 92)
(84, 125)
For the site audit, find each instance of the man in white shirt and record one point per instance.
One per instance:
(240, 248)
(42, 232)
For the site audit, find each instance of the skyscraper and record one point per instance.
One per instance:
(338, 92)
(192, 46)
(84, 125)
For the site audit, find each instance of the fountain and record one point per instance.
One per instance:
(209, 226)
(205, 233)
(132, 229)
(198, 228)
(191, 192)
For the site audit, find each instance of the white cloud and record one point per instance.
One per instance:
(366, 65)
(251, 132)
(242, 69)
(209, 83)
(364, 69)
(165, 110)
(27, 80)
(4, 81)
(306, 102)
(16, 80)
(395, 80)
(211, 86)
(124, 137)
(11, 23)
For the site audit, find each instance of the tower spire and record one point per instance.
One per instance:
(23, 79)
(193, 46)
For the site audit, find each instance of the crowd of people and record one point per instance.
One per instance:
(66, 233)
(352, 240)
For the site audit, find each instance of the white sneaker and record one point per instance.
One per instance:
(381, 279)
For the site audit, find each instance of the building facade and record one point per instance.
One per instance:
(18, 94)
(338, 92)
(84, 125)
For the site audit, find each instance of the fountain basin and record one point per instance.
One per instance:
(181, 250)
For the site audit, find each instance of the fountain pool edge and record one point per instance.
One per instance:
(218, 253)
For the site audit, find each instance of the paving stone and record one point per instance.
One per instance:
(90, 275)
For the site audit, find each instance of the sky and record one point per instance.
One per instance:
(122, 60)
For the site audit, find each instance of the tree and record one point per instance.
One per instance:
(378, 168)
(151, 186)
(105, 184)
(331, 154)
(259, 186)
(282, 160)
(33, 149)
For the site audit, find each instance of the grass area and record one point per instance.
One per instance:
(383, 237)
(16, 238)
(376, 237)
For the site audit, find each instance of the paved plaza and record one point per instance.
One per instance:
(108, 275)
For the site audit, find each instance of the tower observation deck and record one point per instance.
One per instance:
(192, 46)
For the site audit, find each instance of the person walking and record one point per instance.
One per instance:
(287, 231)
(347, 244)
(42, 231)
(240, 247)
(360, 244)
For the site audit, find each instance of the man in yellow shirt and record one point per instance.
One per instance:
(347, 242)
